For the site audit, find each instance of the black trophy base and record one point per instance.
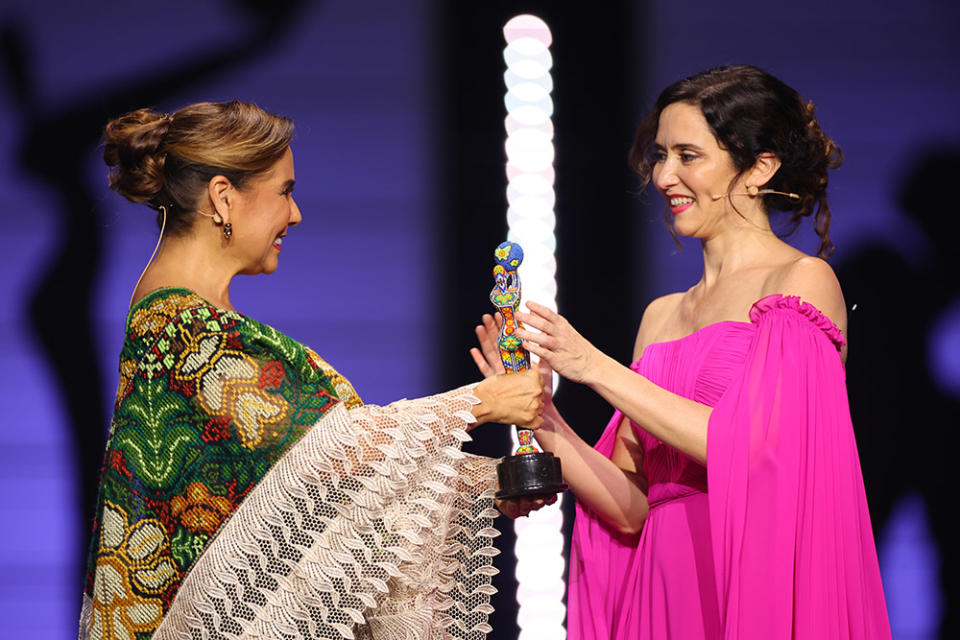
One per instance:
(529, 475)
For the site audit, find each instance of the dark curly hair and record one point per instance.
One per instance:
(751, 112)
(167, 160)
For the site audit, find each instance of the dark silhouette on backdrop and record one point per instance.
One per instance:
(54, 148)
(906, 426)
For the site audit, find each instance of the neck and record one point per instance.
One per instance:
(743, 243)
(195, 261)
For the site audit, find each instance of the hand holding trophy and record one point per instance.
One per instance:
(529, 472)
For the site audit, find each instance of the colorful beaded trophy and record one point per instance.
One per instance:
(529, 472)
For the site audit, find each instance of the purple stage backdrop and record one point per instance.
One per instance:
(885, 81)
(356, 278)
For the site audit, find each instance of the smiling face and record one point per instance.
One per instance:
(264, 210)
(689, 169)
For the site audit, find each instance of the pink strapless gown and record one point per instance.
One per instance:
(777, 542)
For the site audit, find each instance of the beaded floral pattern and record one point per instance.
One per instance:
(248, 492)
(131, 572)
(208, 400)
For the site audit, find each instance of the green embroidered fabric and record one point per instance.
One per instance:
(208, 401)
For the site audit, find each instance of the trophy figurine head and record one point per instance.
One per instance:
(509, 255)
(506, 288)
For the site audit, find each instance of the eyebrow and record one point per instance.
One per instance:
(680, 145)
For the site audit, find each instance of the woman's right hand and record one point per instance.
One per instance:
(565, 350)
(514, 398)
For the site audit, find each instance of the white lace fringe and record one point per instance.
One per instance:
(374, 525)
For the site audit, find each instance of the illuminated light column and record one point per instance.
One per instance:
(531, 221)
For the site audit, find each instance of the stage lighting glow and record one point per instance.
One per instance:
(530, 115)
(511, 124)
(531, 220)
(530, 91)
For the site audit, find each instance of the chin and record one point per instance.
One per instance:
(257, 269)
(686, 230)
(681, 230)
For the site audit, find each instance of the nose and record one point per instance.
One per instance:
(295, 216)
(665, 175)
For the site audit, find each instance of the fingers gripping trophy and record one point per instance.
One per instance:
(529, 472)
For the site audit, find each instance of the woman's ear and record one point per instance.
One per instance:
(763, 170)
(220, 192)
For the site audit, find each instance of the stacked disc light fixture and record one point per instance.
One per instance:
(531, 221)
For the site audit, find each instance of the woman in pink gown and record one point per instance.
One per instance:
(725, 498)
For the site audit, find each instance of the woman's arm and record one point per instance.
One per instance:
(679, 422)
(617, 495)
(614, 489)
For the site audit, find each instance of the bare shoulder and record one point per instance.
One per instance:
(813, 281)
(654, 316)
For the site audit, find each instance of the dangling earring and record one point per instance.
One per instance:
(217, 219)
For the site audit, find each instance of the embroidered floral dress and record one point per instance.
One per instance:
(247, 492)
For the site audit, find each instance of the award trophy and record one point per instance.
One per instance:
(529, 472)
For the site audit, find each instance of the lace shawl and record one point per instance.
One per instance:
(241, 499)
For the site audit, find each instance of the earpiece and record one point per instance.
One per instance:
(753, 191)
(163, 225)
(215, 215)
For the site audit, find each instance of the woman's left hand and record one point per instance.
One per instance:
(487, 357)
(558, 343)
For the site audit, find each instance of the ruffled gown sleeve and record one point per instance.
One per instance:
(792, 542)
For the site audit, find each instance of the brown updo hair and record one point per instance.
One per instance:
(167, 160)
(751, 112)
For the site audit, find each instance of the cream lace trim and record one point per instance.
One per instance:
(375, 525)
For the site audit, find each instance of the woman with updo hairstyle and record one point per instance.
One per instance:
(751, 112)
(247, 492)
(725, 498)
